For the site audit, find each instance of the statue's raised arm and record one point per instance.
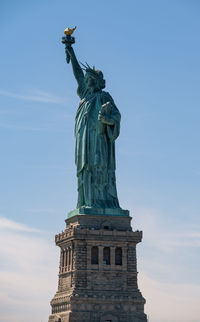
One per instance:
(77, 70)
(68, 40)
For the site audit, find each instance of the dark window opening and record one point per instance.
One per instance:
(69, 257)
(94, 255)
(106, 255)
(66, 254)
(106, 227)
(63, 258)
(118, 256)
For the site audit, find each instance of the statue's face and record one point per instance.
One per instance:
(90, 80)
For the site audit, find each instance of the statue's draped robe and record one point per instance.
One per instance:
(95, 150)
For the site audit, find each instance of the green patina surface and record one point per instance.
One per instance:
(99, 212)
(97, 126)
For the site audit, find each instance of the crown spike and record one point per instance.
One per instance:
(88, 66)
(85, 67)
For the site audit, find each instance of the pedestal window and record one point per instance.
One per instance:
(94, 255)
(106, 256)
(118, 256)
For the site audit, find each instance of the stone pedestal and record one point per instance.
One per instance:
(98, 271)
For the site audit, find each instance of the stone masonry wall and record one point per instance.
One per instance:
(102, 291)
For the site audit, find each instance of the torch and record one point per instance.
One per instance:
(68, 40)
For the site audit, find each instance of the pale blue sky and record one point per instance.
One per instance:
(149, 53)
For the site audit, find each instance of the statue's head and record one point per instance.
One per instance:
(94, 78)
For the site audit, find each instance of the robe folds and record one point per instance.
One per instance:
(95, 150)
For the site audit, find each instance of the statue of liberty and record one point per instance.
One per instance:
(97, 127)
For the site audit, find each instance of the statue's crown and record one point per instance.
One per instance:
(93, 71)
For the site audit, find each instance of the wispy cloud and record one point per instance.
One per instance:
(22, 127)
(28, 273)
(42, 210)
(169, 251)
(164, 236)
(35, 96)
(169, 302)
(31, 128)
(7, 224)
